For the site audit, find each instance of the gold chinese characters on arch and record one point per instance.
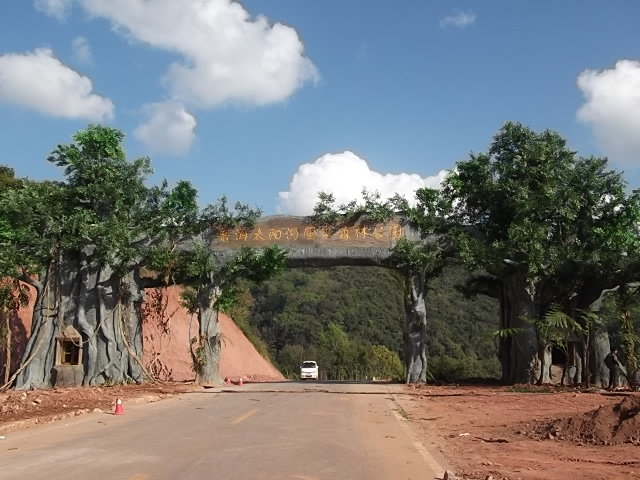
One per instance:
(293, 231)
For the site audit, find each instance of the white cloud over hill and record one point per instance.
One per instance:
(345, 175)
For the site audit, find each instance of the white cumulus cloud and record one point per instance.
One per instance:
(345, 175)
(54, 8)
(226, 55)
(39, 81)
(81, 50)
(168, 129)
(458, 19)
(612, 109)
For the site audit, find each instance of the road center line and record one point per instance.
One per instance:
(243, 417)
(140, 476)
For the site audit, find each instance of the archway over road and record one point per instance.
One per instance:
(360, 244)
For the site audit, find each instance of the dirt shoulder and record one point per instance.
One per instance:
(20, 410)
(498, 432)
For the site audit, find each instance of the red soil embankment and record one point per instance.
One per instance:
(168, 343)
(166, 336)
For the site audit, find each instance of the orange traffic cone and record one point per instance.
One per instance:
(119, 410)
(240, 382)
(227, 382)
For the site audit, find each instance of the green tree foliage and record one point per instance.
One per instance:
(535, 206)
(291, 357)
(381, 362)
(342, 358)
(516, 197)
(550, 227)
(8, 178)
(30, 228)
(81, 239)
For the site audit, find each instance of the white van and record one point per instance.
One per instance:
(309, 369)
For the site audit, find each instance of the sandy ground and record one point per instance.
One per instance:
(494, 431)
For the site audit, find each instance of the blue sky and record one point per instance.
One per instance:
(269, 102)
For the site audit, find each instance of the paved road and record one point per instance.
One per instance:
(264, 431)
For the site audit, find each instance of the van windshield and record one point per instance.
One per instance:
(308, 364)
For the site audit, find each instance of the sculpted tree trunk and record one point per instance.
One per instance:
(599, 349)
(206, 356)
(578, 363)
(415, 334)
(103, 317)
(38, 357)
(131, 325)
(596, 343)
(86, 340)
(522, 349)
(5, 318)
(545, 360)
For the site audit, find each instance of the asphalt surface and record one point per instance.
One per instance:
(262, 431)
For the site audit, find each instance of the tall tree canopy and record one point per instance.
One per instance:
(539, 218)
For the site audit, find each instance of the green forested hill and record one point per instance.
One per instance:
(337, 315)
(295, 308)
(459, 329)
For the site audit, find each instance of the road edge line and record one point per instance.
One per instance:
(417, 443)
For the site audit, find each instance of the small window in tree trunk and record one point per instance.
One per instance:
(69, 352)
